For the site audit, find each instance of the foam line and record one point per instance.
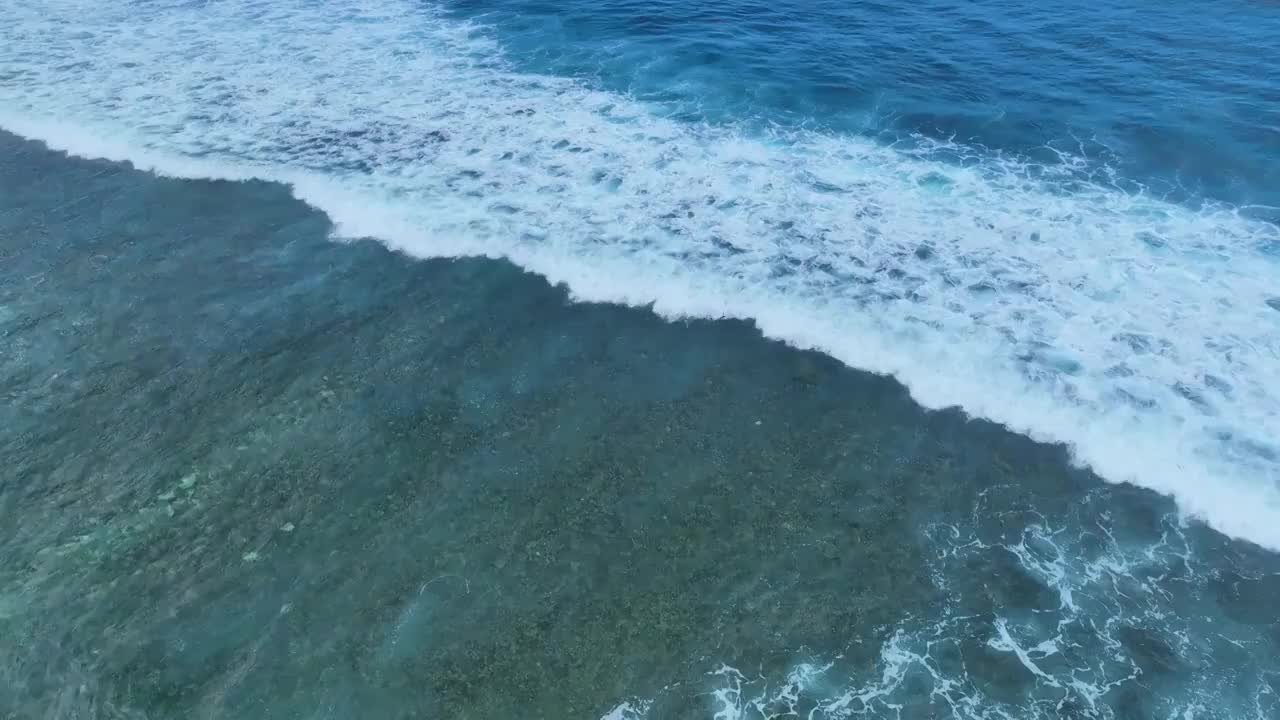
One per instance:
(1143, 334)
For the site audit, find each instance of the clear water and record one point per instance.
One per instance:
(253, 472)
(1066, 298)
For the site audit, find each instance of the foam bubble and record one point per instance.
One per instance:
(1135, 330)
(628, 710)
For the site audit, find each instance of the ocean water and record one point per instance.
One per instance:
(1006, 449)
(1126, 308)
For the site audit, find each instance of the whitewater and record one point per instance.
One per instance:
(1142, 333)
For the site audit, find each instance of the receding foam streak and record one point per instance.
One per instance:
(1137, 331)
(1097, 656)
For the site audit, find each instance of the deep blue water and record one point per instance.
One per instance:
(1179, 97)
(1007, 449)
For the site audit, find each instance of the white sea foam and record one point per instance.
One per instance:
(1134, 330)
(1123, 615)
(629, 710)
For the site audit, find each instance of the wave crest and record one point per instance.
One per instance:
(1141, 333)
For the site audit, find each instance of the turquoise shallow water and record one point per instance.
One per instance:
(252, 472)
(498, 359)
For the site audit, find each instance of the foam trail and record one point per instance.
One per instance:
(1142, 333)
(1140, 610)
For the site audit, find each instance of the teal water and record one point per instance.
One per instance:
(630, 359)
(1045, 273)
(252, 472)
